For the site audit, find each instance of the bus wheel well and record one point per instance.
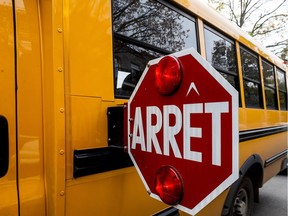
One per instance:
(253, 169)
(255, 173)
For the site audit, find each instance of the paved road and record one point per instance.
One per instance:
(273, 198)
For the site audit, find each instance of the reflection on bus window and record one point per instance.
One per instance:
(221, 53)
(269, 85)
(282, 89)
(251, 79)
(144, 30)
(126, 77)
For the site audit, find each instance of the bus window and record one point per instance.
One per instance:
(144, 30)
(251, 79)
(282, 89)
(269, 85)
(221, 53)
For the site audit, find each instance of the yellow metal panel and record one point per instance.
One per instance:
(8, 189)
(90, 48)
(51, 15)
(201, 37)
(262, 147)
(88, 123)
(240, 74)
(119, 192)
(259, 118)
(29, 95)
(86, 127)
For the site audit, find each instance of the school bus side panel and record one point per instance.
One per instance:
(8, 188)
(89, 92)
(29, 106)
(51, 14)
(267, 146)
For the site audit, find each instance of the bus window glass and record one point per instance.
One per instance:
(251, 79)
(154, 24)
(250, 68)
(269, 85)
(252, 94)
(220, 51)
(271, 99)
(229, 78)
(221, 54)
(127, 76)
(144, 30)
(268, 73)
(282, 89)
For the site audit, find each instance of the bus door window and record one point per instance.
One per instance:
(282, 89)
(145, 30)
(269, 85)
(251, 79)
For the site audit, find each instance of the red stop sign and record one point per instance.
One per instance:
(193, 130)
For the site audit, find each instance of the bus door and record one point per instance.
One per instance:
(8, 161)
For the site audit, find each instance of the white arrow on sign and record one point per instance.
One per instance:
(192, 86)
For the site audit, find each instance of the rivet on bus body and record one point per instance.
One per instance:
(62, 193)
(60, 30)
(61, 152)
(130, 119)
(62, 110)
(130, 135)
(60, 69)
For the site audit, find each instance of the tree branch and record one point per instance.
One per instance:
(256, 28)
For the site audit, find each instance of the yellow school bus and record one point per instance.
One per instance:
(66, 69)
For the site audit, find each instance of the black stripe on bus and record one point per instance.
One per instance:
(98, 160)
(262, 132)
(276, 157)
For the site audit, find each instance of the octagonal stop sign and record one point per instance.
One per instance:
(183, 131)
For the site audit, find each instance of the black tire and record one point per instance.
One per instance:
(244, 199)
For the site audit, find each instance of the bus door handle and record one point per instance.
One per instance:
(4, 146)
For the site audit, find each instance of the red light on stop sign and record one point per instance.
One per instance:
(168, 75)
(169, 185)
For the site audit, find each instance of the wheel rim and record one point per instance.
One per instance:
(241, 203)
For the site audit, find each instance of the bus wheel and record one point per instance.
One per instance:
(243, 204)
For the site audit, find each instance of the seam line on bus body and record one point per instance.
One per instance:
(262, 132)
(274, 158)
